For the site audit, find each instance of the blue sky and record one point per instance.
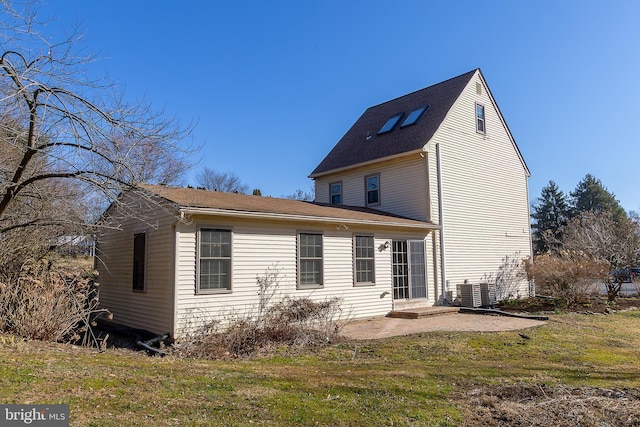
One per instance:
(273, 85)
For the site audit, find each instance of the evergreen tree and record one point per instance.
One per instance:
(591, 196)
(550, 214)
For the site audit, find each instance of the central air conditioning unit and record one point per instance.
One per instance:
(488, 294)
(469, 295)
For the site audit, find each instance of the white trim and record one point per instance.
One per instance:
(331, 184)
(354, 240)
(367, 163)
(300, 286)
(214, 291)
(378, 190)
(443, 264)
(484, 118)
(306, 218)
(176, 280)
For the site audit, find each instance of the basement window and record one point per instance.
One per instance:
(414, 116)
(390, 124)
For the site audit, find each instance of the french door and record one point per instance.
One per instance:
(409, 269)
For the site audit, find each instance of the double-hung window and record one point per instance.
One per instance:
(336, 193)
(214, 264)
(364, 262)
(310, 260)
(481, 126)
(372, 184)
(139, 261)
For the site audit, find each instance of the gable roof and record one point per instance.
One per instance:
(362, 143)
(194, 201)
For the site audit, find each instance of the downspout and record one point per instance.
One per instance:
(176, 276)
(443, 268)
(429, 217)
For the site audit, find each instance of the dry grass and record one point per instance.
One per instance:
(542, 405)
(49, 300)
(575, 370)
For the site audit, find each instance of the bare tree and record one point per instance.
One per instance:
(69, 143)
(211, 180)
(305, 196)
(606, 238)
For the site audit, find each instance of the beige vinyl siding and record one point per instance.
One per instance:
(403, 186)
(151, 309)
(484, 183)
(259, 247)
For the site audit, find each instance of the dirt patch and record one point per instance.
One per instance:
(540, 405)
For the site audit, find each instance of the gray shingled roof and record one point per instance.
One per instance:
(354, 148)
(191, 199)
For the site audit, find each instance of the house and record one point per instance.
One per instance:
(422, 193)
(188, 256)
(445, 155)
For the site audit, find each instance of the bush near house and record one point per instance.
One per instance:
(292, 322)
(49, 299)
(568, 276)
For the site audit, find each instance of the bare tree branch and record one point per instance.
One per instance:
(602, 237)
(70, 145)
(211, 180)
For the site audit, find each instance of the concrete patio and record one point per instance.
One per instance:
(407, 322)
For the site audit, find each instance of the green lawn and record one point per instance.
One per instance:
(426, 379)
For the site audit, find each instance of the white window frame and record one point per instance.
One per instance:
(366, 189)
(482, 119)
(357, 258)
(331, 194)
(228, 259)
(302, 259)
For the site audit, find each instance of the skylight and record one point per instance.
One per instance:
(390, 124)
(414, 116)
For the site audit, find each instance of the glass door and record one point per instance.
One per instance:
(409, 269)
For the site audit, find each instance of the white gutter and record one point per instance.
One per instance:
(443, 269)
(369, 162)
(176, 279)
(306, 218)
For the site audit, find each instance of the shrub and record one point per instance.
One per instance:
(49, 301)
(293, 322)
(568, 276)
(610, 240)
